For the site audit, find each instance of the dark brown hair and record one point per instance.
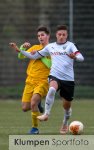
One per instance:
(61, 27)
(43, 28)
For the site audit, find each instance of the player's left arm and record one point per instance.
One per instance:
(79, 56)
(75, 54)
(20, 55)
(24, 47)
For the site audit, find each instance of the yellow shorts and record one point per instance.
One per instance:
(30, 89)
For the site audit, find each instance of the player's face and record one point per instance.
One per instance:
(61, 36)
(43, 38)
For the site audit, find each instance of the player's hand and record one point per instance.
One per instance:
(72, 55)
(33, 52)
(26, 45)
(14, 46)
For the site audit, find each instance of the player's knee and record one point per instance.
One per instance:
(25, 108)
(52, 91)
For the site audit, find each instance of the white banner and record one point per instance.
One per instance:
(51, 142)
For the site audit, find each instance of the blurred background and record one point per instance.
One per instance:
(18, 22)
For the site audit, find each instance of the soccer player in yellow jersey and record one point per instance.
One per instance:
(36, 85)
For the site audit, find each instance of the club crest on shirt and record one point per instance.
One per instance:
(64, 47)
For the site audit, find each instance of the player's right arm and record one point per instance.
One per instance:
(24, 46)
(30, 55)
(33, 54)
(14, 46)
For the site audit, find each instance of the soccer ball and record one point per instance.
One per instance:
(76, 127)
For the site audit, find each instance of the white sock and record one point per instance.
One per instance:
(67, 114)
(49, 100)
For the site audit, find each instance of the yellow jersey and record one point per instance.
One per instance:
(37, 70)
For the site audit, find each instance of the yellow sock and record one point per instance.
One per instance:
(35, 122)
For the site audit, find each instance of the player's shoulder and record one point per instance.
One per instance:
(35, 47)
(74, 45)
(71, 43)
(51, 44)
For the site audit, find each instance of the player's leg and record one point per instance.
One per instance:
(49, 100)
(40, 107)
(36, 98)
(26, 105)
(66, 92)
(67, 111)
(39, 91)
(26, 98)
(67, 114)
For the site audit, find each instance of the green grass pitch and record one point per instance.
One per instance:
(13, 121)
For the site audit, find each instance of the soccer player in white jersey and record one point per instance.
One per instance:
(63, 53)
